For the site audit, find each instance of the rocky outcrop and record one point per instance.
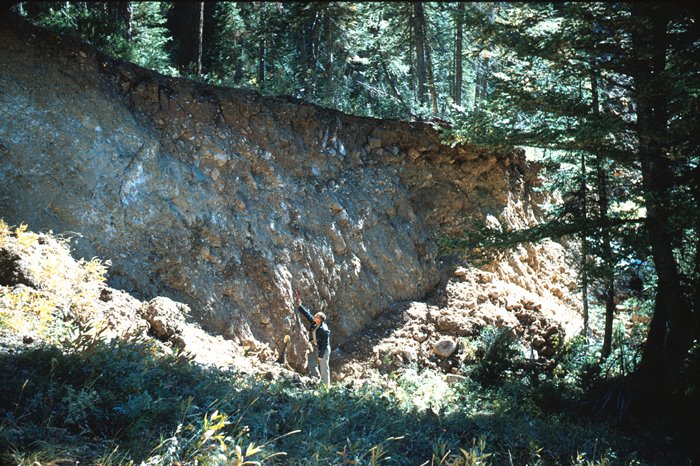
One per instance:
(226, 200)
(530, 292)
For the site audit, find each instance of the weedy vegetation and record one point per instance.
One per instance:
(78, 397)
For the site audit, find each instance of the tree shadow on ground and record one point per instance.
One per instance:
(123, 394)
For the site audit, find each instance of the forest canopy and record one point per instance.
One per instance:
(383, 59)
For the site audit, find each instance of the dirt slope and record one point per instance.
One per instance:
(226, 201)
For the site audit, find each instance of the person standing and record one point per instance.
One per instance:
(320, 336)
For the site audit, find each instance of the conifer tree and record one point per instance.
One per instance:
(612, 80)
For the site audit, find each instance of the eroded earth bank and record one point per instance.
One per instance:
(226, 201)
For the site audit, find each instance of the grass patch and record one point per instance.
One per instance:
(124, 403)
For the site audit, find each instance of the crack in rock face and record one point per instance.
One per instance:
(228, 201)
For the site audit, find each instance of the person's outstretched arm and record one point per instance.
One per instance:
(305, 312)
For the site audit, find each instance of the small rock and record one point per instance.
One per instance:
(460, 272)
(373, 143)
(409, 354)
(452, 379)
(551, 330)
(106, 295)
(420, 337)
(165, 316)
(221, 158)
(456, 325)
(445, 347)
(538, 342)
(343, 218)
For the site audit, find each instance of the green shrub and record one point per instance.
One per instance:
(500, 353)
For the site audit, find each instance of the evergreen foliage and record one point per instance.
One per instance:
(361, 58)
(599, 85)
(95, 23)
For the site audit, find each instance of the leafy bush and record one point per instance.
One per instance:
(50, 288)
(209, 441)
(423, 391)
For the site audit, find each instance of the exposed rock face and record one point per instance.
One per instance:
(530, 292)
(226, 200)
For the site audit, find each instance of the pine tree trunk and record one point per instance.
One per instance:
(411, 68)
(420, 51)
(328, 44)
(238, 67)
(185, 23)
(607, 255)
(261, 63)
(316, 37)
(670, 330)
(459, 38)
(122, 16)
(481, 80)
(269, 56)
(485, 79)
(240, 44)
(261, 47)
(483, 66)
(584, 246)
(200, 38)
(304, 60)
(451, 73)
(477, 82)
(128, 15)
(209, 36)
(696, 190)
(431, 79)
(422, 38)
